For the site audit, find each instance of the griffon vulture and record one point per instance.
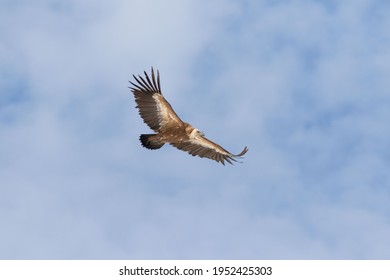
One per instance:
(158, 114)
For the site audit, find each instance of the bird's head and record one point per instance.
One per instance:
(196, 132)
(200, 133)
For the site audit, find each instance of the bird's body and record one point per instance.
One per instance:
(158, 114)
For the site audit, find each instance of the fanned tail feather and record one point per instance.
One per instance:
(151, 141)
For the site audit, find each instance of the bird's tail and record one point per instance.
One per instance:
(151, 141)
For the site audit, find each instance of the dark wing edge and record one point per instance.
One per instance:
(148, 86)
(202, 147)
(152, 106)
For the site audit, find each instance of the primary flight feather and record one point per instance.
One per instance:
(158, 114)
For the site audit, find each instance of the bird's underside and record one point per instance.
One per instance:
(158, 114)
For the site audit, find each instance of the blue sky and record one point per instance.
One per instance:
(304, 84)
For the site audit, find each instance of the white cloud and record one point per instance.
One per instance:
(302, 84)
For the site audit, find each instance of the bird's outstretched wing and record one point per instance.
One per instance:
(203, 147)
(152, 106)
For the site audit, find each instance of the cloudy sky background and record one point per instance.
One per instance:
(304, 84)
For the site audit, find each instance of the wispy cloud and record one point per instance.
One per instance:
(303, 84)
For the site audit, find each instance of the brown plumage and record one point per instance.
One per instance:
(158, 114)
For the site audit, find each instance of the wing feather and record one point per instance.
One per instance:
(153, 108)
(203, 147)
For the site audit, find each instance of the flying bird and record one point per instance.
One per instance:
(158, 114)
